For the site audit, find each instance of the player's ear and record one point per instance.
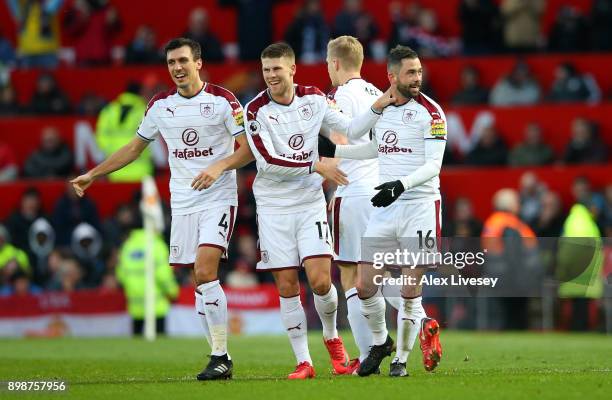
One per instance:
(293, 69)
(199, 63)
(391, 77)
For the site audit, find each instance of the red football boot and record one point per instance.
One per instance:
(303, 371)
(353, 366)
(339, 357)
(430, 343)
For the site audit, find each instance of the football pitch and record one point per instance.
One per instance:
(474, 365)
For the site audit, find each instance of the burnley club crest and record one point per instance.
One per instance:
(207, 109)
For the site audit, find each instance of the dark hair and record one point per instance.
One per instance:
(177, 43)
(277, 50)
(398, 53)
(133, 87)
(31, 191)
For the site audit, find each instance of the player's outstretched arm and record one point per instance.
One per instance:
(117, 160)
(361, 124)
(364, 151)
(237, 159)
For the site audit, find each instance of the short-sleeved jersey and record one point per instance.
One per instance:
(401, 133)
(198, 131)
(355, 97)
(284, 141)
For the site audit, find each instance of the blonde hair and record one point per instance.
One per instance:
(348, 50)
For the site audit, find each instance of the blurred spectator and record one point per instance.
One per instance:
(585, 146)
(579, 267)
(508, 239)
(421, 34)
(38, 36)
(584, 194)
(8, 165)
(522, 31)
(12, 258)
(86, 245)
(253, 84)
(601, 25)
(19, 284)
(7, 53)
(490, 149)
(606, 215)
(570, 31)
(532, 150)
(531, 190)
(550, 220)
(308, 34)
(92, 24)
(243, 273)
(198, 30)
(117, 228)
(41, 238)
(353, 21)
(20, 220)
(517, 88)
(70, 210)
(66, 273)
(48, 98)
(471, 92)
(131, 275)
(143, 48)
(463, 223)
(90, 104)
(570, 86)
(115, 128)
(53, 159)
(481, 23)
(8, 101)
(254, 25)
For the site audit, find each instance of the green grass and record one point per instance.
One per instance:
(474, 365)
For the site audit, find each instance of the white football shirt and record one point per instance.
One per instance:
(198, 131)
(284, 140)
(356, 96)
(401, 133)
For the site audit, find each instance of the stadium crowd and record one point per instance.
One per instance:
(70, 246)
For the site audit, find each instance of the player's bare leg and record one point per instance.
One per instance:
(215, 311)
(373, 309)
(359, 325)
(294, 320)
(326, 303)
(412, 321)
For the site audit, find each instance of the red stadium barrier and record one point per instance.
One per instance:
(444, 75)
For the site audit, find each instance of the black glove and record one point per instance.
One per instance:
(327, 148)
(389, 192)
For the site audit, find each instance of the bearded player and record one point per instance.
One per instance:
(409, 141)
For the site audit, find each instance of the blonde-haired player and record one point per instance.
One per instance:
(351, 207)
